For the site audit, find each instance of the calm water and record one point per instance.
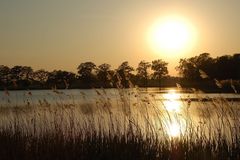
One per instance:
(173, 108)
(17, 98)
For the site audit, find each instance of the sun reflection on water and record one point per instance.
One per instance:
(174, 129)
(175, 123)
(171, 101)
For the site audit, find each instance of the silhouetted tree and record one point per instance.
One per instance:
(124, 74)
(227, 67)
(187, 69)
(125, 68)
(41, 76)
(142, 71)
(193, 68)
(62, 79)
(159, 68)
(21, 73)
(104, 74)
(87, 74)
(236, 64)
(190, 68)
(85, 70)
(4, 75)
(223, 67)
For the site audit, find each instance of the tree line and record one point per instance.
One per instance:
(147, 74)
(88, 75)
(221, 68)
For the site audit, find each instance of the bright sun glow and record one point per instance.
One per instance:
(171, 35)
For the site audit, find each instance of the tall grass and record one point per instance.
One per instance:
(134, 125)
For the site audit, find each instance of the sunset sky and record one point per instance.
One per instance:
(60, 34)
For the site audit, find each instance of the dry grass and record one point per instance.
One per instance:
(131, 126)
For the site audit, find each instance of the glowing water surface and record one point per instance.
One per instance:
(175, 124)
(170, 112)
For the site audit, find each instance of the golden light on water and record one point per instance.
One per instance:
(174, 129)
(171, 95)
(172, 101)
(171, 35)
(172, 106)
(175, 124)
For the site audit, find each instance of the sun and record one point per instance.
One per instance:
(171, 35)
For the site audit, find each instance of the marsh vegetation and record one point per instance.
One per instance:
(119, 123)
(125, 121)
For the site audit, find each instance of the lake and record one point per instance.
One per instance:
(20, 97)
(169, 112)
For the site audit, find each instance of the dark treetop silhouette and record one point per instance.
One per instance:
(201, 71)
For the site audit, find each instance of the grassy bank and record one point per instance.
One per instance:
(133, 126)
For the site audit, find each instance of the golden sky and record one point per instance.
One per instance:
(60, 34)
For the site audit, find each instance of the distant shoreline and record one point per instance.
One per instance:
(161, 89)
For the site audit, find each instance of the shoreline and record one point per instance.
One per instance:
(143, 89)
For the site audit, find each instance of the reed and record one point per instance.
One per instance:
(135, 125)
